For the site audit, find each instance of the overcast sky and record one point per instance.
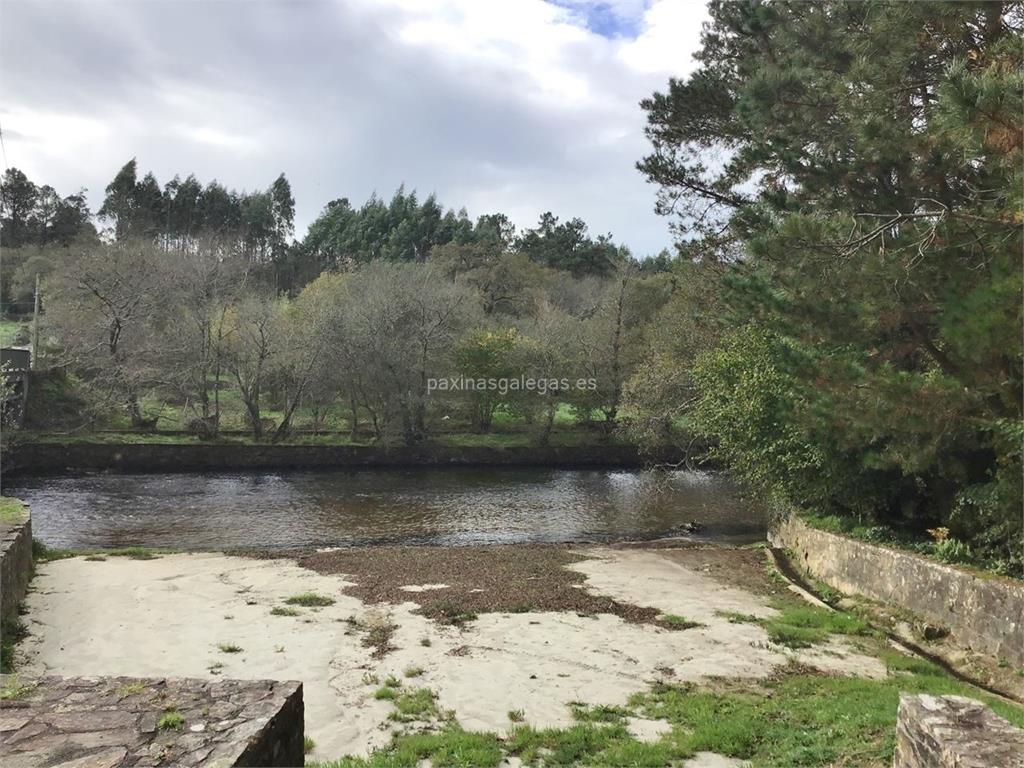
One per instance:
(518, 106)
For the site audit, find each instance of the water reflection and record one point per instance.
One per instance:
(351, 507)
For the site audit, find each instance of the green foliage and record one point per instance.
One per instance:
(171, 720)
(11, 510)
(485, 358)
(451, 747)
(310, 600)
(416, 704)
(800, 626)
(678, 622)
(12, 632)
(867, 245)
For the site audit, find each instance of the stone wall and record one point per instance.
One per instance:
(985, 613)
(42, 458)
(954, 732)
(115, 722)
(15, 563)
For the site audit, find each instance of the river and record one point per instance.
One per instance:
(450, 506)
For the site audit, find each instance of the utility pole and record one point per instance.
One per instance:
(35, 327)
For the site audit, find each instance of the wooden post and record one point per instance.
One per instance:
(35, 327)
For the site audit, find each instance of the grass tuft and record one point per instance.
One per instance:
(171, 720)
(672, 621)
(310, 600)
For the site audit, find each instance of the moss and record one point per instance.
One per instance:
(12, 511)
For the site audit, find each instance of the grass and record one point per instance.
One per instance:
(385, 694)
(12, 511)
(516, 715)
(678, 622)
(310, 600)
(44, 554)
(800, 626)
(171, 720)
(130, 689)
(413, 671)
(451, 747)
(282, 610)
(12, 689)
(13, 332)
(795, 719)
(600, 713)
(229, 648)
(308, 745)
(12, 632)
(416, 704)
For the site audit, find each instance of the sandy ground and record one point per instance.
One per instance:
(168, 616)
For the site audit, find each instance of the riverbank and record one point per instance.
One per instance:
(141, 453)
(599, 655)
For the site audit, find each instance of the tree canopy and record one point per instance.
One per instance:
(849, 176)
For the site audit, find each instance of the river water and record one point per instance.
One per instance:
(450, 506)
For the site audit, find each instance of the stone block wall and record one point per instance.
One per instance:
(122, 722)
(15, 564)
(954, 732)
(985, 613)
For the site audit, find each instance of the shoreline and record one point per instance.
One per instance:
(54, 458)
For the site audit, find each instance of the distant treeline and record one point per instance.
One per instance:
(261, 225)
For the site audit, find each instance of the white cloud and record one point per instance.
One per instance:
(671, 32)
(513, 105)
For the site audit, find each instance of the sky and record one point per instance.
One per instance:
(517, 106)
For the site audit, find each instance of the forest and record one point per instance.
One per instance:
(840, 320)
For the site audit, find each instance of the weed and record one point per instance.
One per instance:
(672, 621)
(171, 720)
(14, 690)
(310, 600)
(417, 704)
(413, 671)
(516, 715)
(280, 610)
(308, 745)
(229, 648)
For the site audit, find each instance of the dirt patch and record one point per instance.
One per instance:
(495, 579)
(741, 567)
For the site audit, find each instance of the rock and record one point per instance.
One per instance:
(954, 732)
(260, 723)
